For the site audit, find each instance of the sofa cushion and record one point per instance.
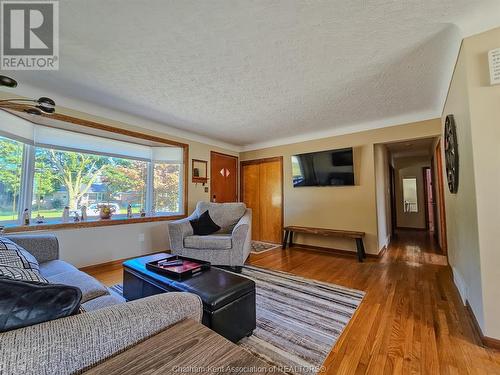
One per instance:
(204, 225)
(215, 242)
(54, 267)
(225, 215)
(103, 301)
(14, 255)
(24, 303)
(90, 287)
(18, 273)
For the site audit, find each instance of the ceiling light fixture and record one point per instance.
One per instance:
(7, 81)
(36, 106)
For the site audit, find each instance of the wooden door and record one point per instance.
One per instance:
(250, 193)
(270, 202)
(223, 177)
(262, 191)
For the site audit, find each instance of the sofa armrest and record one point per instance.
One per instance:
(242, 236)
(43, 247)
(177, 230)
(73, 344)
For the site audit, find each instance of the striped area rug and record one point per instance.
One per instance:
(298, 320)
(258, 247)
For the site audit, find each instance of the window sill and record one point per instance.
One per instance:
(91, 223)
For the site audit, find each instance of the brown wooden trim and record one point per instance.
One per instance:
(333, 251)
(113, 264)
(489, 342)
(260, 161)
(98, 126)
(263, 160)
(91, 224)
(116, 130)
(442, 208)
(426, 198)
(212, 180)
(392, 182)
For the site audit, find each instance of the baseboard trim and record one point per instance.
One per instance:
(331, 250)
(488, 342)
(381, 252)
(114, 263)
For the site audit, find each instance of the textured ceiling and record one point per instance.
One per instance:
(413, 148)
(257, 72)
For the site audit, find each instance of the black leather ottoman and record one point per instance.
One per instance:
(228, 299)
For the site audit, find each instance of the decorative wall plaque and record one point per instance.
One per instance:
(451, 153)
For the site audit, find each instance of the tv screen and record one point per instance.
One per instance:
(324, 168)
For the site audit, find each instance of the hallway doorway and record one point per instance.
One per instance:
(416, 202)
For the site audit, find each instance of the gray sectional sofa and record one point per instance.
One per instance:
(45, 248)
(108, 325)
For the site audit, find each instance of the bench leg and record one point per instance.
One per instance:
(290, 240)
(285, 239)
(361, 249)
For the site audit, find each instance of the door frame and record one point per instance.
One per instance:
(392, 183)
(426, 197)
(440, 192)
(261, 161)
(212, 153)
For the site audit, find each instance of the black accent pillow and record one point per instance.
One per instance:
(204, 225)
(25, 303)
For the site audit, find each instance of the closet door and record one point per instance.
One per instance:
(261, 190)
(270, 201)
(250, 195)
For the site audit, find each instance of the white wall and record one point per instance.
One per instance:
(484, 104)
(383, 193)
(88, 246)
(461, 208)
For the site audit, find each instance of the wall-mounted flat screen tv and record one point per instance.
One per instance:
(324, 168)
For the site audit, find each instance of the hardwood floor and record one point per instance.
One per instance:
(411, 320)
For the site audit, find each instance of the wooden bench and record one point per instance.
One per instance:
(358, 236)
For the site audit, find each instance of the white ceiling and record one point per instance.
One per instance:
(423, 147)
(263, 72)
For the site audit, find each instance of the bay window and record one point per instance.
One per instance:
(46, 169)
(11, 161)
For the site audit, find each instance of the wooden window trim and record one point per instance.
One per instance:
(90, 224)
(17, 111)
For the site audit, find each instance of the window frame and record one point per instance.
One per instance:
(28, 171)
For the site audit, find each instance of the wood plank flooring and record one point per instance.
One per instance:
(411, 321)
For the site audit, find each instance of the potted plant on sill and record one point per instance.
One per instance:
(106, 211)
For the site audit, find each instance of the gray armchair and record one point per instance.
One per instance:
(228, 247)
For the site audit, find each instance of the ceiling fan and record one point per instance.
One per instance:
(35, 106)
